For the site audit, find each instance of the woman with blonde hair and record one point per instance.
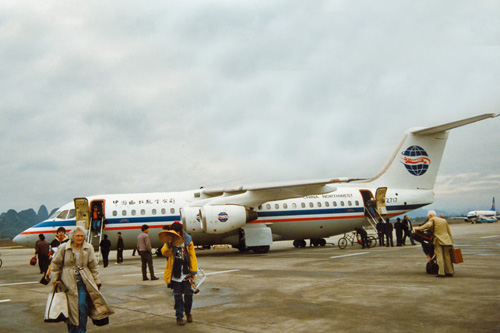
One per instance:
(76, 267)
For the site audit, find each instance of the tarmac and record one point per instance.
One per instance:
(313, 289)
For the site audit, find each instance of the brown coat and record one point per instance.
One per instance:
(63, 268)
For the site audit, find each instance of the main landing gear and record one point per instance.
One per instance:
(313, 242)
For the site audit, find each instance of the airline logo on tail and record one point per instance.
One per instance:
(416, 160)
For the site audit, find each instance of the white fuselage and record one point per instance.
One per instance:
(310, 217)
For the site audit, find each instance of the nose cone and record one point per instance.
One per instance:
(22, 240)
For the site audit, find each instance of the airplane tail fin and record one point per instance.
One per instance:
(415, 163)
(493, 205)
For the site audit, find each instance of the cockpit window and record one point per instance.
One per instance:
(71, 214)
(62, 215)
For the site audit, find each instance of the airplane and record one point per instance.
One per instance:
(252, 217)
(480, 216)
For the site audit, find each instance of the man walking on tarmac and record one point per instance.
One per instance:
(146, 253)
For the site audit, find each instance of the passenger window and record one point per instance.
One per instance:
(172, 210)
(124, 213)
(294, 205)
(335, 204)
(268, 206)
(357, 203)
(342, 204)
(153, 211)
(133, 212)
(115, 213)
(163, 211)
(319, 204)
(327, 204)
(62, 215)
(349, 203)
(303, 205)
(277, 206)
(143, 212)
(71, 214)
(285, 206)
(311, 205)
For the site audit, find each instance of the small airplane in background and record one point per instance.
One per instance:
(483, 216)
(251, 217)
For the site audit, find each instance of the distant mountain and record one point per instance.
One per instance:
(12, 222)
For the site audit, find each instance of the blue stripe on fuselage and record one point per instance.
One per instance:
(122, 220)
(330, 211)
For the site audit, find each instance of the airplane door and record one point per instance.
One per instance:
(82, 212)
(380, 197)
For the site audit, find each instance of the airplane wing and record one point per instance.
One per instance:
(254, 195)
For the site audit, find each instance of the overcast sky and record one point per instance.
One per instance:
(124, 96)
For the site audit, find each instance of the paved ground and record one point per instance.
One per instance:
(298, 290)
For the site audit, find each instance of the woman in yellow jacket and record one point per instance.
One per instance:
(181, 264)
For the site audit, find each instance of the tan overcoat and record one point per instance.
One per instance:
(441, 229)
(63, 267)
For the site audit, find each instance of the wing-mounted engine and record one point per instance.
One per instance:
(190, 218)
(224, 218)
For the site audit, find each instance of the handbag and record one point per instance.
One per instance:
(33, 261)
(56, 309)
(456, 256)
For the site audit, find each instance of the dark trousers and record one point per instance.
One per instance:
(182, 305)
(147, 258)
(389, 239)
(407, 233)
(43, 263)
(119, 256)
(105, 255)
(381, 239)
(399, 238)
(364, 241)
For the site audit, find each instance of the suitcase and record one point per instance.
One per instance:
(456, 256)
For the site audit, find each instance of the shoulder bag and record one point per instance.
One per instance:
(56, 309)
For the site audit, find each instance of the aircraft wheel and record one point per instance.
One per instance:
(322, 242)
(260, 249)
(242, 248)
(299, 243)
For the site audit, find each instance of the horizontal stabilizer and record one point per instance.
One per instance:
(454, 124)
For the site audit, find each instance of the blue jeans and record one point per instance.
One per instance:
(83, 309)
(182, 305)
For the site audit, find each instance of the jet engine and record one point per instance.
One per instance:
(221, 219)
(190, 218)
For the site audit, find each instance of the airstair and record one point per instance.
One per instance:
(94, 238)
(372, 219)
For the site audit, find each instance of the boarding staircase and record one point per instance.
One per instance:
(94, 238)
(372, 219)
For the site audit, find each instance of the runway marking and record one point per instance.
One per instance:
(349, 255)
(212, 273)
(4, 300)
(17, 283)
(491, 236)
(222, 272)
